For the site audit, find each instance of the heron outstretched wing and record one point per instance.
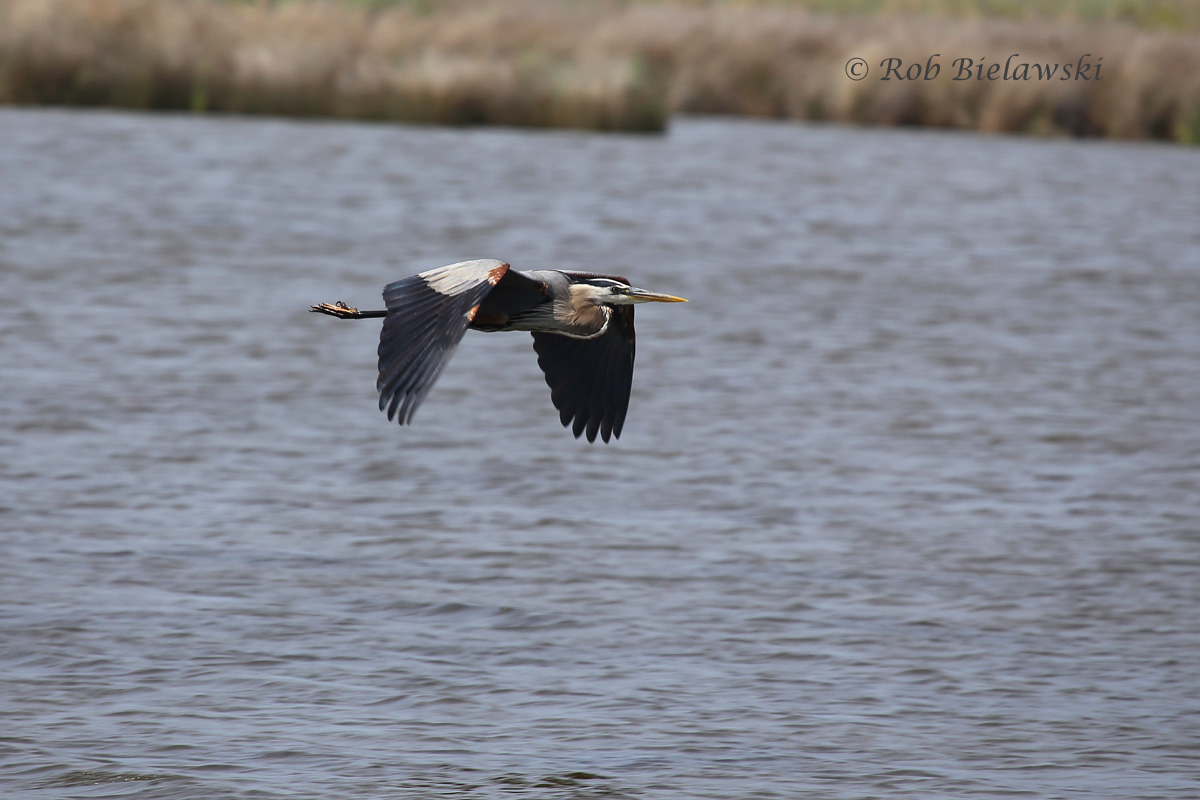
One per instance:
(590, 379)
(427, 317)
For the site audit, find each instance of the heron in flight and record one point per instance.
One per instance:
(582, 327)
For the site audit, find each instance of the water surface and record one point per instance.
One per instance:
(905, 506)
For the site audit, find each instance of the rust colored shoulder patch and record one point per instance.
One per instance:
(496, 273)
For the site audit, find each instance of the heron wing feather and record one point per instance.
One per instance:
(427, 317)
(590, 379)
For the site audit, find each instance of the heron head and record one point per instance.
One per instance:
(620, 294)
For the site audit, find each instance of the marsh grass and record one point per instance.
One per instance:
(602, 65)
(527, 66)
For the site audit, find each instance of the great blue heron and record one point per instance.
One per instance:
(582, 327)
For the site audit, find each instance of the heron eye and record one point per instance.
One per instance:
(620, 290)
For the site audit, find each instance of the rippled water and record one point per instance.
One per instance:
(906, 503)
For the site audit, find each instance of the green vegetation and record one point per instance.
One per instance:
(1176, 15)
(1172, 15)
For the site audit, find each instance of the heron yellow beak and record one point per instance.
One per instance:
(643, 296)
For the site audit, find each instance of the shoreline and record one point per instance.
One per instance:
(530, 63)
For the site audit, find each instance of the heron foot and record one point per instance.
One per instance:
(338, 309)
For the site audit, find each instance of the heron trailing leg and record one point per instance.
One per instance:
(343, 311)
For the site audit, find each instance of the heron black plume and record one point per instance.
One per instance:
(582, 326)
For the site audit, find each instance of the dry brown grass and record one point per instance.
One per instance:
(778, 62)
(602, 65)
(504, 65)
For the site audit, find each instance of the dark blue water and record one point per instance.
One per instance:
(906, 503)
